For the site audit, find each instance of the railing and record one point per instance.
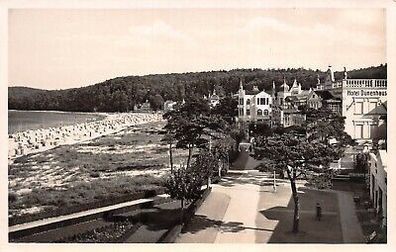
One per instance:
(365, 83)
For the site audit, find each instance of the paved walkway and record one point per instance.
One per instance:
(245, 162)
(230, 214)
(244, 208)
(204, 227)
(351, 229)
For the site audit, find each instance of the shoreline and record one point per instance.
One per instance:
(62, 112)
(15, 116)
(39, 140)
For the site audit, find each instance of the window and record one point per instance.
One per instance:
(267, 101)
(372, 106)
(240, 101)
(248, 112)
(358, 131)
(247, 101)
(258, 101)
(241, 112)
(265, 112)
(359, 108)
(262, 101)
(259, 112)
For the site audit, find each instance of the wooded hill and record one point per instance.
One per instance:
(123, 93)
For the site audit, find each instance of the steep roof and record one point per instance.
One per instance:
(379, 110)
(284, 87)
(252, 92)
(304, 93)
(326, 95)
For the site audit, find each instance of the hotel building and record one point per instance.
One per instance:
(363, 103)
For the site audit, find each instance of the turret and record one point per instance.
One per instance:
(295, 83)
(345, 74)
(331, 74)
(318, 84)
(285, 88)
(273, 90)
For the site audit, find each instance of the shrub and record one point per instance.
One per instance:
(321, 181)
(184, 184)
(94, 174)
(12, 197)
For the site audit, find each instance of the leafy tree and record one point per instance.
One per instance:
(361, 163)
(324, 124)
(295, 154)
(169, 138)
(184, 184)
(170, 86)
(156, 102)
(191, 124)
(227, 109)
(257, 129)
(238, 135)
(205, 163)
(222, 148)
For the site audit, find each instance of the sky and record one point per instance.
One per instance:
(59, 49)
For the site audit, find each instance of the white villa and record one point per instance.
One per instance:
(254, 106)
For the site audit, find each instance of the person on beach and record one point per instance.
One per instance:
(318, 211)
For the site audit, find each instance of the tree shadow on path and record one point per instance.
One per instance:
(202, 222)
(327, 230)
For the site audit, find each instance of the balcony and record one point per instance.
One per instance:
(365, 83)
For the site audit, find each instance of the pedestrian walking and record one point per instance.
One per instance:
(318, 211)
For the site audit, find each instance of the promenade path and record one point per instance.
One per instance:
(245, 208)
(231, 212)
(352, 231)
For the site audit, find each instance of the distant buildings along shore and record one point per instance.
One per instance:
(361, 101)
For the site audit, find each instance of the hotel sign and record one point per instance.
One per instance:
(366, 93)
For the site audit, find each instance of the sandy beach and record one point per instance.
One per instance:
(34, 141)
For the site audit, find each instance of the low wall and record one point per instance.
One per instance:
(18, 231)
(171, 235)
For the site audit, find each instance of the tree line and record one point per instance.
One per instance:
(124, 94)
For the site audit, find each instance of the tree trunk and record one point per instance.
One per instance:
(170, 157)
(190, 148)
(296, 218)
(182, 211)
